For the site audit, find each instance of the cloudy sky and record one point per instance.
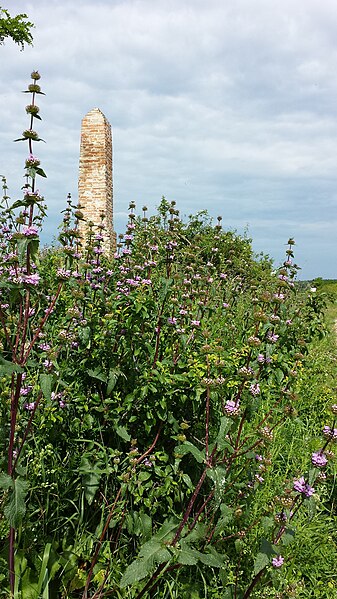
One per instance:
(224, 105)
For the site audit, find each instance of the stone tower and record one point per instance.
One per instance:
(95, 187)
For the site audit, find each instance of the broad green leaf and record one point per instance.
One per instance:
(288, 537)
(6, 481)
(7, 367)
(114, 373)
(15, 508)
(152, 553)
(188, 447)
(146, 525)
(135, 572)
(46, 384)
(123, 433)
(187, 557)
(97, 374)
(225, 425)
(22, 245)
(91, 476)
(261, 561)
(214, 559)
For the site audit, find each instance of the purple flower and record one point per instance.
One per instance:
(259, 478)
(231, 407)
(32, 279)
(195, 323)
(278, 561)
(255, 389)
(25, 390)
(28, 231)
(172, 320)
(302, 487)
(319, 459)
(44, 346)
(30, 406)
(272, 337)
(225, 305)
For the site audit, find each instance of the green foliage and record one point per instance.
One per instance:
(161, 411)
(17, 28)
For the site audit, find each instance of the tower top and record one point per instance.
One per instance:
(95, 189)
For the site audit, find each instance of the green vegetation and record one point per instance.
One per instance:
(168, 415)
(17, 28)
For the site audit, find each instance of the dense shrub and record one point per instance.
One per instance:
(151, 443)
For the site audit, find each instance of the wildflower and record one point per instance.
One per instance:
(63, 274)
(272, 337)
(255, 389)
(32, 161)
(25, 390)
(232, 408)
(32, 279)
(319, 459)
(195, 323)
(328, 432)
(302, 487)
(254, 341)
(225, 305)
(28, 231)
(261, 359)
(172, 320)
(259, 478)
(278, 561)
(30, 406)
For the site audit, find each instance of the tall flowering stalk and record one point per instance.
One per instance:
(20, 316)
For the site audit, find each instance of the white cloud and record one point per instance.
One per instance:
(224, 105)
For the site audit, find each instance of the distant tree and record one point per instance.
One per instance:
(18, 28)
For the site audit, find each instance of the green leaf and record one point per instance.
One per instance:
(91, 476)
(146, 522)
(97, 374)
(43, 582)
(114, 373)
(212, 559)
(225, 425)
(188, 447)
(151, 553)
(263, 557)
(188, 557)
(46, 384)
(261, 561)
(22, 245)
(16, 507)
(6, 481)
(8, 367)
(135, 572)
(288, 537)
(123, 433)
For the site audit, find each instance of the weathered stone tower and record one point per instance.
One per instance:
(95, 187)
